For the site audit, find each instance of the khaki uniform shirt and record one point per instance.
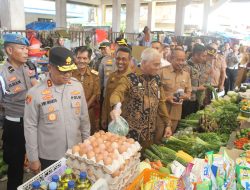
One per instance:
(106, 67)
(171, 82)
(218, 65)
(90, 82)
(112, 83)
(14, 86)
(55, 119)
(142, 98)
(200, 75)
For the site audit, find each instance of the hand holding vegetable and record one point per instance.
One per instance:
(168, 132)
(35, 166)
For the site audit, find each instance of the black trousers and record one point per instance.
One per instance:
(46, 163)
(189, 107)
(231, 79)
(13, 152)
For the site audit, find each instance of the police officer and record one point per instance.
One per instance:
(123, 57)
(90, 82)
(17, 77)
(177, 87)
(56, 115)
(142, 98)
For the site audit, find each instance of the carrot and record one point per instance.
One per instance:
(158, 162)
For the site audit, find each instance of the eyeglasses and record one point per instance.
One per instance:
(123, 59)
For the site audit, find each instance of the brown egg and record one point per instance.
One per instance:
(123, 138)
(105, 153)
(110, 149)
(122, 167)
(89, 148)
(87, 141)
(97, 135)
(99, 141)
(101, 132)
(108, 134)
(114, 145)
(96, 150)
(82, 152)
(90, 154)
(115, 174)
(122, 149)
(99, 157)
(108, 144)
(107, 161)
(75, 149)
(92, 139)
(102, 146)
(131, 141)
(94, 144)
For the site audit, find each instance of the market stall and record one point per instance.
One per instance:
(210, 151)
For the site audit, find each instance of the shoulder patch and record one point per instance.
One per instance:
(94, 72)
(28, 99)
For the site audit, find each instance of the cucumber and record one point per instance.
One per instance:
(155, 150)
(150, 155)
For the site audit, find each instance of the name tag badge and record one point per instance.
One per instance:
(159, 94)
(11, 79)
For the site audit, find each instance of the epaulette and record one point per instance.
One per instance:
(94, 72)
(10, 69)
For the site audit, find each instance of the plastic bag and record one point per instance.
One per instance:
(119, 126)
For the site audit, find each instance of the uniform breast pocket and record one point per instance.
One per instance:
(76, 108)
(16, 87)
(181, 84)
(50, 113)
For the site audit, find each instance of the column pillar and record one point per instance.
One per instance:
(179, 18)
(61, 14)
(151, 15)
(100, 15)
(132, 16)
(116, 15)
(12, 15)
(206, 11)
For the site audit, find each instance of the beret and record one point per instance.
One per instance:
(15, 39)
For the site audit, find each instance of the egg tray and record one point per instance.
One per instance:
(98, 170)
(108, 169)
(115, 183)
